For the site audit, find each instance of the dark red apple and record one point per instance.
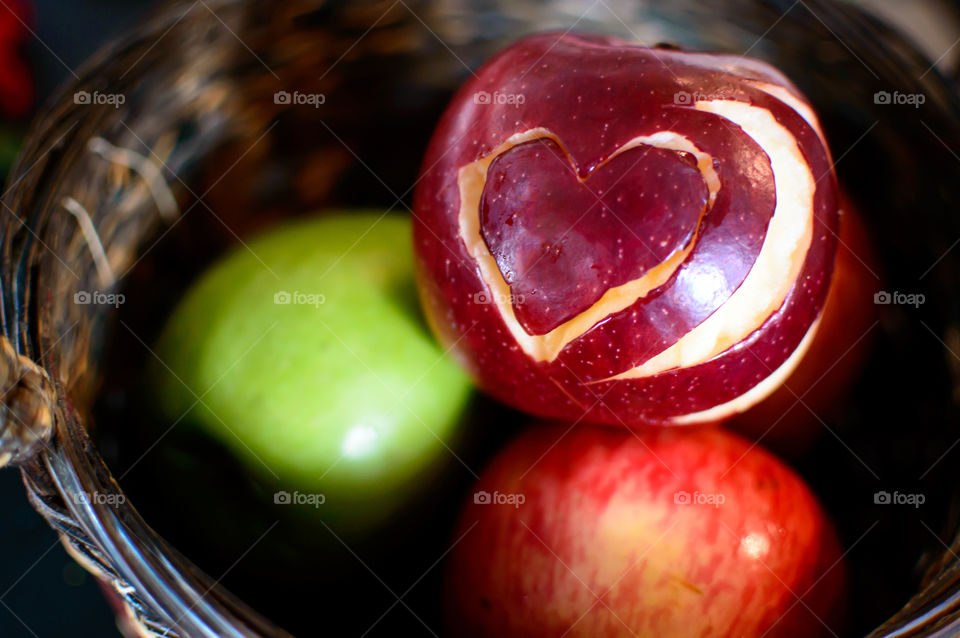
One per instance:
(626, 235)
(793, 416)
(602, 532)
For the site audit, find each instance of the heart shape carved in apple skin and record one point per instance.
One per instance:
(543, 223)
(646, 238)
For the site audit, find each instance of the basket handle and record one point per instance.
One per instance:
(27, 399)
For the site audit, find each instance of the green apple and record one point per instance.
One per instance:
(305, 354)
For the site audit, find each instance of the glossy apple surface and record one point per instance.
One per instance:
(304, 353)
(791, 418)
(626, 235)
(676, 532)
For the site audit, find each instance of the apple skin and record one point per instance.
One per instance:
(593, 95)
(336, 387)
(836, 356)
(601, 518)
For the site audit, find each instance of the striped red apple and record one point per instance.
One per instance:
(601, 532)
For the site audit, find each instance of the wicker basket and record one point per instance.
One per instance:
(98, 184)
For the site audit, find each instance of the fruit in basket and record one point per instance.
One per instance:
(626, 235)
(304, 352)
(597, 531)
(793, 416)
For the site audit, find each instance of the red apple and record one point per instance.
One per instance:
(602, 532)
(626, 235)
(792, 417)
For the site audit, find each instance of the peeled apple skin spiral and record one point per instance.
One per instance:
(617, 234)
